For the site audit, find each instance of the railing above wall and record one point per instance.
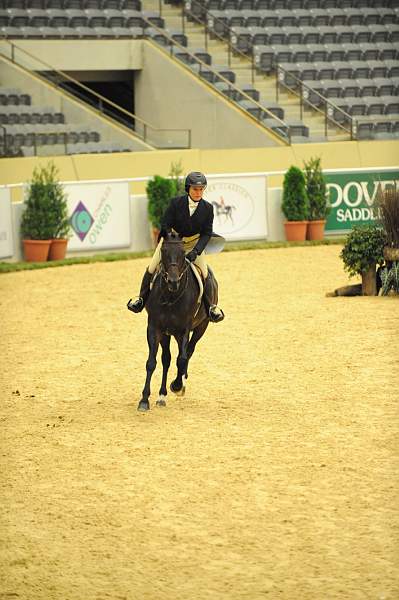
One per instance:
(202, 70)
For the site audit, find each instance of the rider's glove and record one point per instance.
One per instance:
(191, 256)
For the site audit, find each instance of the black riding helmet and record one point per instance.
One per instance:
(195, 178)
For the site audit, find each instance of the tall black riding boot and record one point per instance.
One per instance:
(215, 313)
(137, 306)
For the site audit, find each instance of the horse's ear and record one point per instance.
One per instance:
(163, 234)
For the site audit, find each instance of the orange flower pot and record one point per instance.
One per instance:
(295, 231)
(36, 250)
(315, 230)
(58, 249)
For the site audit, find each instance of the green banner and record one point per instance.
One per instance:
(352, 196)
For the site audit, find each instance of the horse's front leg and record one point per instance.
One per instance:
(177, 385)
(197, 334)
(165, 343)
(153, 343)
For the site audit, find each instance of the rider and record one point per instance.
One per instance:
(192, 218)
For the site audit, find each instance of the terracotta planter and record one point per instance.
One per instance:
(369, 282)
(57, 249)
(36, 250)
(295, 231)
(315, 230)
(154, 235)
(391, 254)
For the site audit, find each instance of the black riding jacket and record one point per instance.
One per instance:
(177, 217)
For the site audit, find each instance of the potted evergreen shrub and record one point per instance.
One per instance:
(176, 174)
(316, 190)
(159, 192)
(295, 204)
(45, 218)
(362, 252)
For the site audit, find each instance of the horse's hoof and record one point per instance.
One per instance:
(143, 406)
(178, 392)
(161, 401)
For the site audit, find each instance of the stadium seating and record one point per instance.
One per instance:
(26, 128)
(346, 51)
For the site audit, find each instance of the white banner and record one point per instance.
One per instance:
(239, 206)
(100, 215)
(6, 235)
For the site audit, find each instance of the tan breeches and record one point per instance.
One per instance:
(189, 244)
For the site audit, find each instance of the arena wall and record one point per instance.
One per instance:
(337, 155)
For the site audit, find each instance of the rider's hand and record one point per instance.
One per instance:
(191, 256)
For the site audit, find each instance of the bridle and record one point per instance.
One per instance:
(164, 275)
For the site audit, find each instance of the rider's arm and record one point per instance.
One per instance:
(205, 234)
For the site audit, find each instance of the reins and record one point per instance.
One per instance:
(164, 275)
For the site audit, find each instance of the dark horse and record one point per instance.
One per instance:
(173, 310)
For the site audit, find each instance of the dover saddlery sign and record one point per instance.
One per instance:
(239, 206)
(99, 215)
(352, 197)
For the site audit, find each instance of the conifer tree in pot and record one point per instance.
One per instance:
(362, 252)
(160, 190)
(316, 190)
(295, 205)
(45, 219)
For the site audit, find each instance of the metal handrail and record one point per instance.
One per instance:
(101, 99)
(206, 67)
(329, 105)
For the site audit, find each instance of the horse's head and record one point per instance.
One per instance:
(173, 260)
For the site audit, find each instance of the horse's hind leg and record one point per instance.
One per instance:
(165, 343)
(153, 342)
(177, 385)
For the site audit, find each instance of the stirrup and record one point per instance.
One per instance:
(215, 314)
(136, 306)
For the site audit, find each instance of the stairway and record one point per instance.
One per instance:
(266, 85)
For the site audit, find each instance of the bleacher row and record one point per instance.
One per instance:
(71, 4)
(25, 129)
(75, 23)
(346, 50)
(296, 4)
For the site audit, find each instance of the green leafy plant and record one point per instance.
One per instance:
(46, 213)
(159, 191)
(388, 203)
(390, 279)
(295, 203)
(364, 247)
(316, 190)
(176, 175)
